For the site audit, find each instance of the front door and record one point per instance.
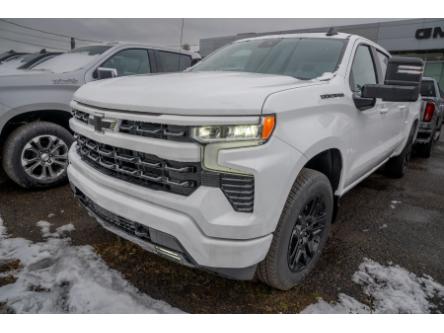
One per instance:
(367, 146)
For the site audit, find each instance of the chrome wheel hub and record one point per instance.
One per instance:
(45, 157)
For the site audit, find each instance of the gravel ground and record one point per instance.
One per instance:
(399, 221)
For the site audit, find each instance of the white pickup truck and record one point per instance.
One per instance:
(34, 103)
(236, 165)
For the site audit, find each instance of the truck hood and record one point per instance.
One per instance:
(188, 93)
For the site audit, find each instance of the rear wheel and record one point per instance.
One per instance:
(437, 134)
(425, 149)
(36, 155)
(301, 233)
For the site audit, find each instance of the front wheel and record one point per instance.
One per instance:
(36, 154)
(301, 233)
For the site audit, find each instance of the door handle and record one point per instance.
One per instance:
(383, 110)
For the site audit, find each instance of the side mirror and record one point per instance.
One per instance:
(404, 71)
(391, 93)
(363, 103)
(402, 81)
(106, 73)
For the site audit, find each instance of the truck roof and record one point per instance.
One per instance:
(324, 35)
(152, 46)
(338, 35)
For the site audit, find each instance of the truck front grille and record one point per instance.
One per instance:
(160, 174)
(154, 130)
(140, 168)
(81, 116)
(146, 129)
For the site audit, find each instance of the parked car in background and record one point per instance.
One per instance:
(25, 61)
(11, 54)
(195, 58)
(35, 111)
(237, 164)
(432, 116)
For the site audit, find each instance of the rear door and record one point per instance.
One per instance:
(394, 115)
(168, 62)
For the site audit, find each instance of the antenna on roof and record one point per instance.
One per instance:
(332, 31)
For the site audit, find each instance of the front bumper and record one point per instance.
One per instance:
(112, 195)
(211, 233)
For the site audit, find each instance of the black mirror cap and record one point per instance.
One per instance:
(391, 93)
(404, 71)
(363, 103)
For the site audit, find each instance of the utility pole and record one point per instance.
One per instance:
(181, 32)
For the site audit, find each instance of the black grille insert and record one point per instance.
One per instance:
(131, 228)
(155, 130)
(80, 115)
(140, 168)
(239, 191)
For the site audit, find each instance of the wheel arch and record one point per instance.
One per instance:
(328, 160)
(58, 116)
(327, 157)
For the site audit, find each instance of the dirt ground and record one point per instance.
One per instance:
(408, 232)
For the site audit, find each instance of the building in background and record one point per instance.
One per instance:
(422, 38)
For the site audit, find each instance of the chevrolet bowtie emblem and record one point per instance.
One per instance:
(100, 123)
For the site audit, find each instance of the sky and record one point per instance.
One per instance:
(164, 32)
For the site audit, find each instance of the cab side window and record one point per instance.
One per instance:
(383, 61)
(129, 62)
(363, 69)
(173, 62)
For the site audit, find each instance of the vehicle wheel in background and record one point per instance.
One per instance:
(437, 134)
(397, 165)
(301, 233)
(425, 150)
(36, 154)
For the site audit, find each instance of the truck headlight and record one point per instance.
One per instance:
(227, 133)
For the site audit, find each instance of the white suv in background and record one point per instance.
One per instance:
(236, 165)
(35, 111)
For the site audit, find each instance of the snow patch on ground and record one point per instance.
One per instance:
(45, 228)
(394, 203)
(56, 277)
(391, 289)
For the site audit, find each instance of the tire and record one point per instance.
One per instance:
(276, 270)
(35, 155)
(437, 134)
(397, 165)
(425, 150)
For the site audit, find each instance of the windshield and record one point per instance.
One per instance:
(302, 58)
(428, 89)
(19, 61)
(74, 60)
(14, 62)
